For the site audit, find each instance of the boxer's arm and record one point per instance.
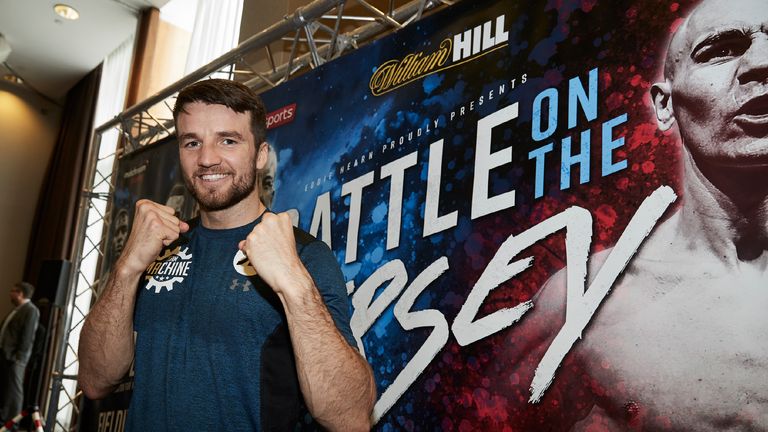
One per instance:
(106, 341)
(335, 380)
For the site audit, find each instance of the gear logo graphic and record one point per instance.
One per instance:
(169, 268)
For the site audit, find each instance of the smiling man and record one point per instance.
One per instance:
(241, 320)
(679, 343)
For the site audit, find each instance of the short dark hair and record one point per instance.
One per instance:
(26, 288)
(232, 95)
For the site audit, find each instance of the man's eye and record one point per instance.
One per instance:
(191, 144)
(228, 141)
(721, 50)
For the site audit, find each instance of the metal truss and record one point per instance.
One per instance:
(317, 33)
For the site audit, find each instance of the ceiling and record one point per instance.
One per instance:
(52, 54)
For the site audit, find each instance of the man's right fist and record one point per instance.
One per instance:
(154, 226)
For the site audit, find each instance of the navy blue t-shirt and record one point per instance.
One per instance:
(213, 350)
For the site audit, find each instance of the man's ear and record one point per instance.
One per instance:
(661, 95)
(261, 155)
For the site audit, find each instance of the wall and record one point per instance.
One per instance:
(28, 131)
(166, 66)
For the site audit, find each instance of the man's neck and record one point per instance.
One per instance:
(726, 212)
(242, 213)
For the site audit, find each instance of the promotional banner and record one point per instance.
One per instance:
(508, 210)
(549, 215)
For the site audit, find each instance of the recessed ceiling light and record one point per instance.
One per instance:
(66, 11)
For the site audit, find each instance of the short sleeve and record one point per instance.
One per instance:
(325, 271)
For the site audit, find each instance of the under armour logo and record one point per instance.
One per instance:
(246, 285)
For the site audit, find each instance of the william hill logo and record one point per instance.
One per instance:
(461, 48)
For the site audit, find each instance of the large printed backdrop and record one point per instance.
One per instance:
(359, 136)
(417, 157)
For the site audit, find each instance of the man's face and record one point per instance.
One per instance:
(268, 186)
(719, 84)
(268, 179)
(217, 154)
(16, 296)
(122, 229)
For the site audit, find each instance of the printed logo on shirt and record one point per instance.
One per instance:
(169, 268)
(242, 265)
(240, 285)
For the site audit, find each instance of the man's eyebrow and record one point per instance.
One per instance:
(229, 134)
(187, 135)
(720, 35)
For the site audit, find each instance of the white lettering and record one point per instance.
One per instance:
(354, 188)
(432, 222)
(396, 170)
(485, 161)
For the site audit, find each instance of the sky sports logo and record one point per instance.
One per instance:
(281, 116)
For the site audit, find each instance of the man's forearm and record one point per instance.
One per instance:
(336, 381)
(106, 342)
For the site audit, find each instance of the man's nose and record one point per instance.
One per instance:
(209, 156)
(754, 62)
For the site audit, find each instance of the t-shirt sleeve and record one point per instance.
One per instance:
(324, 269)
(137, 315)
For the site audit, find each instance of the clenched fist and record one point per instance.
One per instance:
(271, 249)
(154, 226)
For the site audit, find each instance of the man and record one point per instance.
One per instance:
(240, 320)
(17, 336)
(679, 342)
(122, 226)
(178, 201)
(266, 178)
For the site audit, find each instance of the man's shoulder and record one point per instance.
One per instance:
(309, 246)
(637, 295)
(633, 288)
(303, 238)
(320, 261)
(29, 307)
(552, 295)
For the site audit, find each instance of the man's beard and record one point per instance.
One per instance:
(242, 186)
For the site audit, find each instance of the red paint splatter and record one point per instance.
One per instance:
(622, 183)
(614, 101)
(607, 80)
(587, 5)
(606, 215)
(648, 167)
(642, 134)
